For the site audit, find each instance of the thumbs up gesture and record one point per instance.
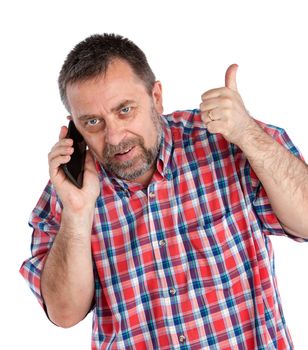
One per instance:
(223, 110)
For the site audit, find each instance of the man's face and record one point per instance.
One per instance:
(119, 120)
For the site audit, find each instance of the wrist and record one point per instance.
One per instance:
(78, 220)
(250, 137)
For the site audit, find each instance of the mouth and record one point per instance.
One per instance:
(126, 154)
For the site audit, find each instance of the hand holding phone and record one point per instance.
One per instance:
(74, 169)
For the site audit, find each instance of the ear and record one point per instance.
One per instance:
(157, 95)
(69, 117)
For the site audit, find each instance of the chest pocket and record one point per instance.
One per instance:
(220, 248)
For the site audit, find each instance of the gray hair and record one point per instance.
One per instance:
(91, 57)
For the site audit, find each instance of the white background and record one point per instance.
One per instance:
(189, 45)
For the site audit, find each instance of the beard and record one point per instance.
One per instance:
(132, 169)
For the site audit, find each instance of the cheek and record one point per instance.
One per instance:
(150, 136)
(95, 143)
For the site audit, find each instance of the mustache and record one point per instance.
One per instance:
(112, 150)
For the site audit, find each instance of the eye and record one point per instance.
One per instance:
(92, 122)
(125, 110)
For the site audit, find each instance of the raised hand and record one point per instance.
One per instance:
(223, 110)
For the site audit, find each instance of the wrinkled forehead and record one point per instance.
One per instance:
(115, 68)
(106, 91)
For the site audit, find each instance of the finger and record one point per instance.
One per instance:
(64, 143)
(60, 151)
(216, 93)
(55, 162)
(208, 106)
(230, 78)
(214, 127)
(63, 132)
(54, 165)
(217, 114)
(220, 102)
(60, 154)
(209, 116)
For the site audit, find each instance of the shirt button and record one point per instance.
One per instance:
(172, 291)
(182, 338)
(162, 243)
(168, 174)
(152, 194)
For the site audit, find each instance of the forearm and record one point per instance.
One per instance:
(67, 280)
(284, 177)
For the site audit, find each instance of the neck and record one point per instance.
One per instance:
(146, 178)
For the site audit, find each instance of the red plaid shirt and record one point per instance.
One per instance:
(186, 263)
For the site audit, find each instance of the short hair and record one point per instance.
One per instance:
(91, 57)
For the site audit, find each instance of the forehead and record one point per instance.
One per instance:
(120, 67)
(118, 83)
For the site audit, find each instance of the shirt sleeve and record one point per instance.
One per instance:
(45, 221)
(256, 193)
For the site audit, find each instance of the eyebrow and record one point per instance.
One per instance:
(88, 116)
(122, 105)
(114, 109)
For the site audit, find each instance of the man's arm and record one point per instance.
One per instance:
(67, 282)
(283, 176)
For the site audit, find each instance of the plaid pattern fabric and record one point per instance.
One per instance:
(187, 262)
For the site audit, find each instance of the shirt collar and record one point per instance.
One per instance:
(165, 152)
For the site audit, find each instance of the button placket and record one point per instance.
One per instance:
(182, 338)
(152, 194)
(168, 174)
(172, 291)
(162, 243)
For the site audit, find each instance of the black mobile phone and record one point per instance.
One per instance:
(75, 167)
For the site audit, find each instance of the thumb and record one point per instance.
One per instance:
(63, 132)
(230, 78)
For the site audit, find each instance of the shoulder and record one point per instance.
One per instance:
(281, 136)
(272, 130)
(186, 119)
(189, 126)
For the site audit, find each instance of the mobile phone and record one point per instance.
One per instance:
(75, 167)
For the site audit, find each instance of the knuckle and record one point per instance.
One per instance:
(227, 101)
(205, 95)
(226, 91)
(50, 155)
(227, 112)
(211, 128)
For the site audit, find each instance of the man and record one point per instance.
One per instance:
(167, 240)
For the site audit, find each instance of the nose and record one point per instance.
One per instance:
(114, 132)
